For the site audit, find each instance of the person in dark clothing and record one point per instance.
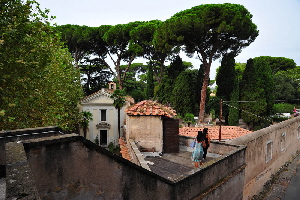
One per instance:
(206, 142)
(197, 154)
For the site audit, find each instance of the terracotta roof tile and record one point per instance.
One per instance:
(124, 150)
(227, 132)
(148, 107)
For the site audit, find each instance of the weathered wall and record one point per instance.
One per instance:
(65, 168)
(223, 179)
(19, 180)
(20, 135)
(268, 149)
(147, 131)
(216, 147)
(74, 167)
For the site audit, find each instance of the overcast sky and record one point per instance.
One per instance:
(278, 21)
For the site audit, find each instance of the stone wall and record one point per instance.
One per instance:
(215, 147)
(147, 131)
(19, 180)
(21, 135)
(268, 150)
(67, 167)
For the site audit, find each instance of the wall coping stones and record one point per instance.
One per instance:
(19, 180)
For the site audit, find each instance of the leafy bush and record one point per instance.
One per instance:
(283, 108)
(189, 118)
(96, 141)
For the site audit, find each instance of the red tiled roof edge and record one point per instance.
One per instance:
(227, 132)
(150, 108)
(124, 149)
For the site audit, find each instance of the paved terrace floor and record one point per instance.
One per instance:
(173, 166)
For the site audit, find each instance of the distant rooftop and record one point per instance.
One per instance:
(227, 132)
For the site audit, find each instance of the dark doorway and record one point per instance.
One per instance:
(103, 137)
(170, 135)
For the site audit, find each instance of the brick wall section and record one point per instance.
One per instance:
(19, 179)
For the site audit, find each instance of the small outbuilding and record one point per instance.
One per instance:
(152, 126)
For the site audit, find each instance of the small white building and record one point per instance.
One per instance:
(105, 116)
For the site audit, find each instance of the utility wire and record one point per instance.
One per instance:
(246, 110)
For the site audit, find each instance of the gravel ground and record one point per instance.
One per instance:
(275, 189)
(2, 188)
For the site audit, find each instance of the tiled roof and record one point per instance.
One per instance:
(148, 107)
(227, 132)
(105, 92)
(124, 150)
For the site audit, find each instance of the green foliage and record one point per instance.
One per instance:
(164, 91)
(189, 118)
(283, 108)
(86, 117)
(119, 98)
(136, 87)
(150, 82)
(210, 31)
(38, 78)
(285, 88)
(233, 118)
(279, 63)
(77, 39)
(96, 141)
(183, 94)
(114, 149)
(226, 77)
(290, 81)
(225, 80)
(239, 70)
(257, 89)
(165, 88)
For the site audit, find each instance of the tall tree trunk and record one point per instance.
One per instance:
(204, 91)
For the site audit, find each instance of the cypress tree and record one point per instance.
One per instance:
(257, 89)
(226, 80)
(183, 94)
(150, 82)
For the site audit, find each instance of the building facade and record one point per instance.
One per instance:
(104, 125)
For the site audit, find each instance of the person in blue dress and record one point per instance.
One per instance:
(197, 154)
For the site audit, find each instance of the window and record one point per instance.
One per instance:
(102, 115)
(269, 151)
(103, 137)
(282, 141)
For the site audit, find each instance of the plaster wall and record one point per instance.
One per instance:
(21, 135)
(268, 149)
(147, 131)
(74, 168)
(95, 106)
